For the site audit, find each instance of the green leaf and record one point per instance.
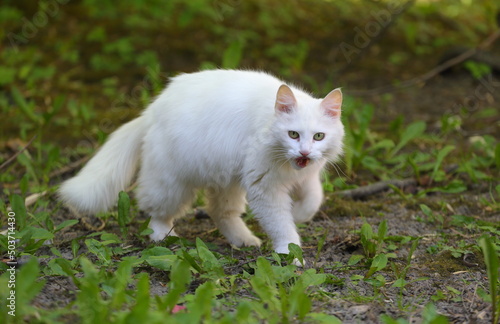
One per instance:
(38, 233)
(209, 261)
(382, 230)
(232, 55)
(310, 278)
(162, 262)
(323, 318)
(27, 287)
(191, 261)
(477, 69)
(265, 271)
(110, 238)
(180, 277)
(141, 308)
(121, 278)
(426, 210)
(55, 268)
(66, 223)
(354, 259)
(27, 108)
(413, 248)
(439, 159)
(243, 312)
(383, 144)
(497, 155)
(264, 286)
(386, 319)
(492, 267)
(26, 160)
(65, 266)
(92, 306)
(366, 240)
(7, 75)
(101, 251)
(201, 306)
(399, 283)
(296, 252)
(55, 252)
(455, 186)
(18, 207)
(431, 316)
(123, 211)
(412, 132)
(144, 229)
(24, 184)
(378, 263)
(156, 250)
(299, 302)
(75, 246)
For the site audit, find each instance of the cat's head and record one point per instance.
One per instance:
(308, 130)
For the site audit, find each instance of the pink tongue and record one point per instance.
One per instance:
(302, 162)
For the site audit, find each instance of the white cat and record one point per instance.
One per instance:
(234, 133)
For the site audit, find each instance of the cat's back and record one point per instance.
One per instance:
(225, 78)
(235, 101)
(226, 87)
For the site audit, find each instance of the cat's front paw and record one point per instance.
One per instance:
(248, 240)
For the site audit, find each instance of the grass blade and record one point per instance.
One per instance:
(492, 267)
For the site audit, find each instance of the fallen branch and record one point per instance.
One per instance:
(480, 56)
(375, 188)
(432, 73)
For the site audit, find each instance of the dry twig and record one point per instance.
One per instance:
(375, 188)
(12, 158)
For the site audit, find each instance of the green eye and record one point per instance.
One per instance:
(319, 136)
(293, 134)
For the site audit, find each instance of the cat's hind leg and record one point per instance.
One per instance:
(225, 206)
(165, 199)
(308, 198)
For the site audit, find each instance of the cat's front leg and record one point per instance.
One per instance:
(273, 211)
(309, 196)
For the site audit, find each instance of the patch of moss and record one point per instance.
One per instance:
(444, 264)
(336, 206)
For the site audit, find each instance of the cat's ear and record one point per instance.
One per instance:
(285, 100)
(332, 103)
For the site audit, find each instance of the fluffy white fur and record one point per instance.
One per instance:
(228, 132)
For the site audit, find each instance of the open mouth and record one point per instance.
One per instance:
(302, 162)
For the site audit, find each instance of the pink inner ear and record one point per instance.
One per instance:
(332, 103)
(285, 100)
(283, 108)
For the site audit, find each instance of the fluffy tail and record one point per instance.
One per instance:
(95, 188)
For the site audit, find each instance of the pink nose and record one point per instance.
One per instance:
(304, 153)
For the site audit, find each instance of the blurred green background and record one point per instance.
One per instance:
(73, 71)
